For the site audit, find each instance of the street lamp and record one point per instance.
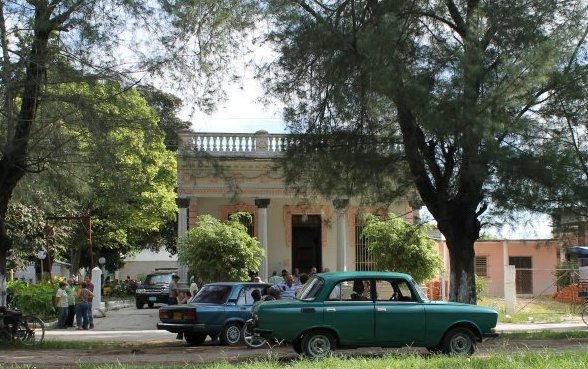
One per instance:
(41, 255)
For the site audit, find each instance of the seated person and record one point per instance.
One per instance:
(256, 295)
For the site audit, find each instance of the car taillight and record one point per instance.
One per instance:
(189, 315)
(163, 315)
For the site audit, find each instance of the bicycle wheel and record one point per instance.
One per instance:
(30, 330)
(585, 312)
(250, 340)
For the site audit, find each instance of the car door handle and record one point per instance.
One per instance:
(331, 310)
(381, 309)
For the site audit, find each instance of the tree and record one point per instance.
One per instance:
(398, 246)
(217, 251)
(454, 91)
(50, 42)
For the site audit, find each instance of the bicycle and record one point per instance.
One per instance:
(583, 294)
(14, 327)
(251, 340)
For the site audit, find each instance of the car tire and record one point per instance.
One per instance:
(459, 341)
(139, 304)
(318, 344)
(150, 304)
(194, 339)
(231, 334)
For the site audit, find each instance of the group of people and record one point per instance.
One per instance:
(282, 287)
(177, 296)
(74, 299)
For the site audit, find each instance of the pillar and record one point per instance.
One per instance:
(262, 205)
(97, 282)
(341, 207)
(183, 205)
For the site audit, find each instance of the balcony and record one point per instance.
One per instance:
(233, 145)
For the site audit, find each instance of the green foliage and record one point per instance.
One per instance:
(566, 273)
(480, 286)
(398, 246)
(34, 299)
(217, 251)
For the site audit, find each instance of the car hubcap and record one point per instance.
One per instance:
(319, 346)
(233, 334)
(461, 344)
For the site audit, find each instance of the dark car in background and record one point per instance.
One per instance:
(154, 289)
(217, 310)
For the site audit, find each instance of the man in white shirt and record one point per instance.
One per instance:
(287, 289)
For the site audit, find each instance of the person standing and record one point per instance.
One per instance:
(174, 290)
(82, 297)
(62, 303)
(275, 278)
(90, 287)
(71, 300)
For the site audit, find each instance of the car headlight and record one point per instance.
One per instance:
(140, 290)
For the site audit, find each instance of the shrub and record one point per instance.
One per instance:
(34, 299)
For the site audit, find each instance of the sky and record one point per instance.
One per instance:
(243, 113)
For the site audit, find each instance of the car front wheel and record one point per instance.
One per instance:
(318, 344)
(194, 339)
(231, 334)
(459, 341)
(139, 304)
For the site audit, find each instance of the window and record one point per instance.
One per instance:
(482, 266)
(363, 260)
(351, 290)
(246, 223)
(394, 290)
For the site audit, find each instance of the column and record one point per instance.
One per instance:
(341, 207)
(262, 205)
(183, 204)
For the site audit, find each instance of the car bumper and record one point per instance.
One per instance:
(182, 327)
(267, 333)
(154, 299)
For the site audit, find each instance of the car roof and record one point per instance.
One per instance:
(235, 283)
(343, 275)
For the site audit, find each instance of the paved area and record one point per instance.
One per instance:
(131, 324)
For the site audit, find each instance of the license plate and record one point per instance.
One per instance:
(152, 298)
(177, 316)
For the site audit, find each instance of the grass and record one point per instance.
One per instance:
(525, 361)
(542, 309)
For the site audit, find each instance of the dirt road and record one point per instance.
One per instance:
(140, 343)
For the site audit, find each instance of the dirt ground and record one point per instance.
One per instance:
(179, 353)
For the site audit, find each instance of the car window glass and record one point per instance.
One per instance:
(242, 299)
(158, 279)
(351, 290)
(384, 290)
(405, 292)
(214, 294)
(310, 290)
(394, 290)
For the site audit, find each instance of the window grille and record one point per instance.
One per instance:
(363, 260)
(482, 266)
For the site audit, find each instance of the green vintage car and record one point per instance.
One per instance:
(365, 309)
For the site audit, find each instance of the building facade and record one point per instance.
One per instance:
(222, 174)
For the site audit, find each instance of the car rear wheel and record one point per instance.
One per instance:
(459, 341)
(139, 305)
(318, 344)
(231, 334)
(150, 304)
(194, 339)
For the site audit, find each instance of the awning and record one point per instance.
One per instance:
(580, 251)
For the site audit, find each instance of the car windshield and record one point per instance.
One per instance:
(158, 279)
(212, 294)
(310, 290)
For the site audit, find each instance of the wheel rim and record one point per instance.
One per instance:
(233, 334)
(251, 340)
(460, 344)
(319, 345)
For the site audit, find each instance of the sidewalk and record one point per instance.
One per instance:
(538, 327)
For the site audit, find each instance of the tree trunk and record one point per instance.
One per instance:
(14, 161)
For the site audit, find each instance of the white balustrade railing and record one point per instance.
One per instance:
(227, 144)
